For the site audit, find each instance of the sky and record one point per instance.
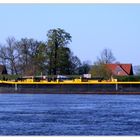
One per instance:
(93, 27)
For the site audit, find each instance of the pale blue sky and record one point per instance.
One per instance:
(93, 27)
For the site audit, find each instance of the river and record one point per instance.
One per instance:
(69, 115)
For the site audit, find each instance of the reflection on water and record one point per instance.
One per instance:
(65, 114)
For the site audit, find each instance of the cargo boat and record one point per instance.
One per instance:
(76, 86)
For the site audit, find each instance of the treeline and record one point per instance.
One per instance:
(28, 56)
(130, 78)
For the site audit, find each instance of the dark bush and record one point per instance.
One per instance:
(128, 78)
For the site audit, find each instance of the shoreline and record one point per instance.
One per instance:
(69, 93)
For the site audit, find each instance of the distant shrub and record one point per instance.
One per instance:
(6, 77)
(128, 78)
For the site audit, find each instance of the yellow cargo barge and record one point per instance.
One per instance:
(75, 86)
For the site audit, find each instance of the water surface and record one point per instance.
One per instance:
(69, 114)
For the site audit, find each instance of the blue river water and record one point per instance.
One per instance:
(69, 115)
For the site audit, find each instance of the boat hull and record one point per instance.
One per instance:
(98, 88)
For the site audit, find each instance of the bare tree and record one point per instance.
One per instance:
(3, 55)
(12, 54)
(99, 68)
(32, 55)
(9, 55)
(106, 57)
